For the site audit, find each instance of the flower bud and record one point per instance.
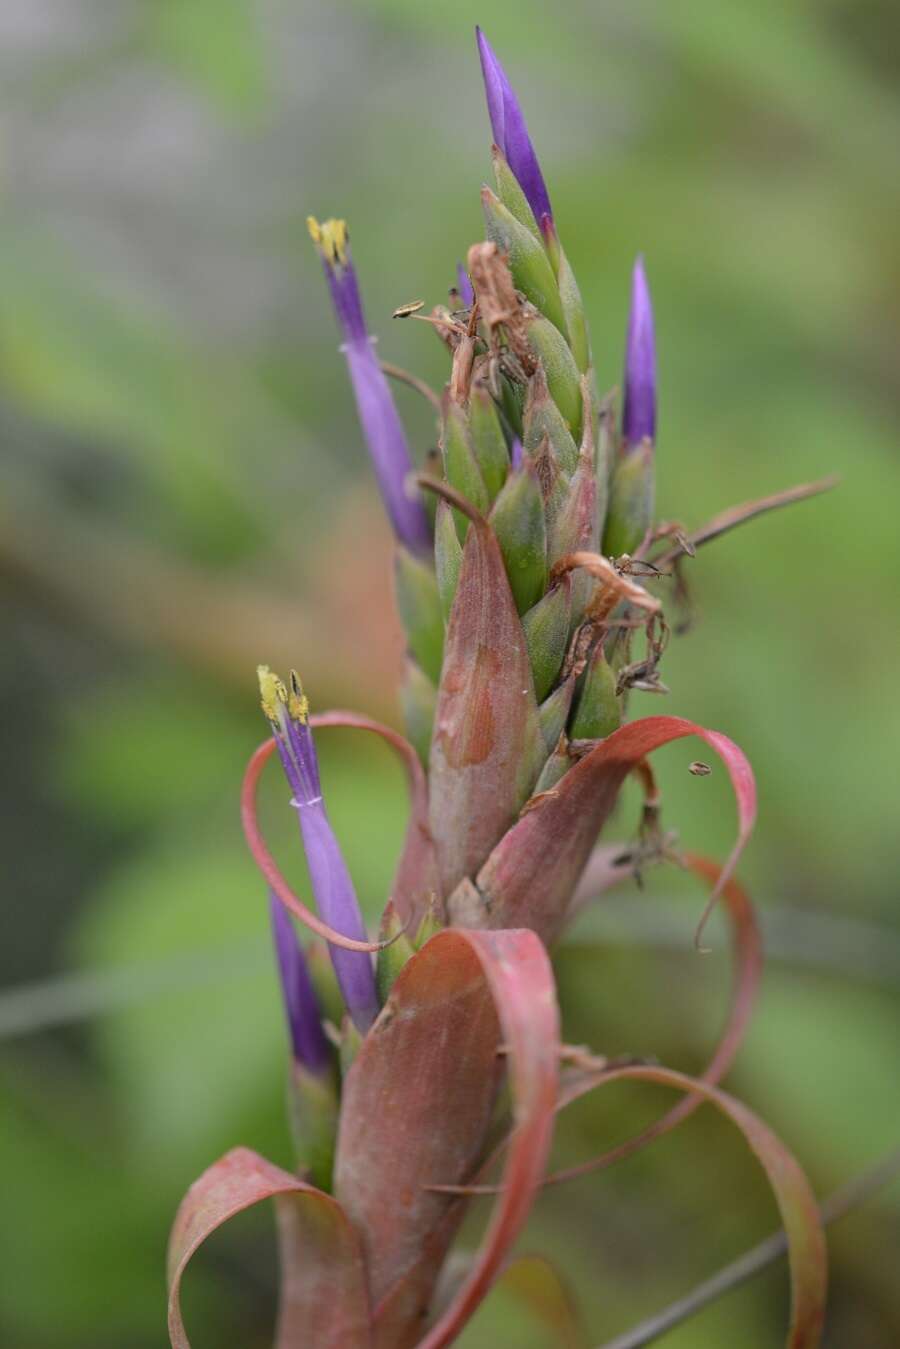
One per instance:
(460, 465)
(518, 523)
(447, 556)
(543, 418)
(574, 525)
(639, 408)
(546, 628)
(511, 194)
(419, 607)
(430, 924)
(528, 261)
(573, 309)
(556, 767)
(629, 513)
(511, 134)
(563, 378)
(488, 440)
(632, 486)
(391, 958)
(464, 286)
(554, 713)
(598, 712)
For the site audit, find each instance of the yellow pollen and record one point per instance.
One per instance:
(298, 703)
(330, 238)
(273, 694)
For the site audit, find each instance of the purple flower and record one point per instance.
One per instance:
(288, 714)
(515, 454)
(464, 286)
(511, 133)
(378, 414)
(308, 1042)
(639, 412)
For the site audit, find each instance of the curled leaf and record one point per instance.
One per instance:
(807, 1255)
(416, 880)
(269, 867)
(540, 1287)
(323, 1289)
(748, 965)
(530, 877)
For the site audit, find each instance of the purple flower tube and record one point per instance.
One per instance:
(464, 286)
(639, 411)
(288, 714)
(511, 133)
(308, 1043)
(378, 415)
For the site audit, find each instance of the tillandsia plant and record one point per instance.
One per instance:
(531, 580)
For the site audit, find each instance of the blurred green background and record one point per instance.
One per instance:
(183, 493)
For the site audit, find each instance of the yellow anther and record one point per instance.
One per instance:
(274, 695)
(298, 703)
(330, 238)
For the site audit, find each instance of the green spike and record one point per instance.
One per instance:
(598, 712)
(460, 464)
(543, 418)
(604, 441)
(430, 924)
(546, 628)
(512, 404)
(420, 611)
(630, 511)
(351, 1042)
(574, 524)
(313, 1117)
(391, 959)
(554, 712)
(563, 377)
(433, 466)
(558, 764)
(512, 196)
(518, 522)
(418, 700)
(447, 556)
(550, 478)
(488, 440)
(531, 271)
(324, 981)
(573, 308)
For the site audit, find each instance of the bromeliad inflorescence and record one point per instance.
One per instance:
(531, 582)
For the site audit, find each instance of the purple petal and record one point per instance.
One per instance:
(511, 133)
(515, 454)
(332, 886)
(378, 415)
(639, 413)
(337, 903)
(310, 1047)
(464, 286)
